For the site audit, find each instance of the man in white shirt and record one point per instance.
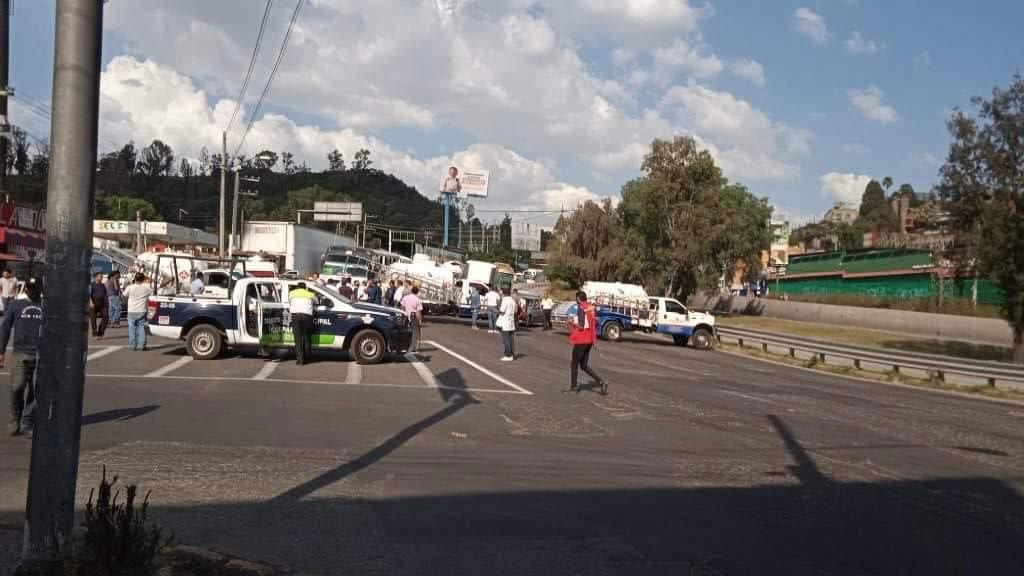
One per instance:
(547, 305)
(507, 323)
(197, 284)
(492, 301)
(399, 293)
(8, 288)
(137, 295)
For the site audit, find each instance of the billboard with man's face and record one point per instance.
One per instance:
(465, 182)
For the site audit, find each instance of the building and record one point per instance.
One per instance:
(779, 250)
(22, 238)
(158, 236)
(841, 214)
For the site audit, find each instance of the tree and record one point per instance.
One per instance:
(17, 157)
(983, 185)
(887, 183)
(288, 163)
(204, 162)
(335, 161)
(158, 159)
(265, 160)
(505, 232)
(125, 208)
(39, 167)
(875, 211)
(587, 245)
(362, 160)
(185, 169)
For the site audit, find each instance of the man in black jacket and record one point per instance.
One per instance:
(25, 318)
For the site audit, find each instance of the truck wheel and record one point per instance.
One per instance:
(204, 342)
(612, 332)
(680, 340)
(701, 339)
(368, 347)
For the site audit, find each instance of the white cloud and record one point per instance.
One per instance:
(682, 58)
(811, 24)
(637, 23)
(748, 144)
(923, 59)
(868, 102)
(844, 187)
(858, 44)
(855, 149)
(750, 70)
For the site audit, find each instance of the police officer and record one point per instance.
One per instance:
(300, 304)
(25, 318)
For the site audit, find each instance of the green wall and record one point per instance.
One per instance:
(891, 287)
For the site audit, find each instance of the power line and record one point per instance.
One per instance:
(252, 64)
(270, 79)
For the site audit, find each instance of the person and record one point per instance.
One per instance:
(333, 284)
(452, 184)
(98, 312)
(361, 291)
(372, 292)
(115, 299)
(582, 334)
(413, 308)
(547, 305)
(389, 294)
(196, 287)
(521, 305)
(167, 284)
(300, 304)
(319, 281)
(8, 289)
(137, 295)
(474, 305)
(507, 324)
(399, 293)
(346, 288)
(492, 301)
(25, 318)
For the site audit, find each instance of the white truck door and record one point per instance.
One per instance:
(675, 313)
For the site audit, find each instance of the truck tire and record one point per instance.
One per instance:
(204, 342)
(680, 340)
(701, 339)
(612, 332)
(368, 347)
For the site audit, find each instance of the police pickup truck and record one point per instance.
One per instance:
(255, 315)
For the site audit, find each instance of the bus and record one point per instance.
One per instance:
(348, 262)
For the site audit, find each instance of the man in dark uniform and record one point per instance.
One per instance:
(25, 319)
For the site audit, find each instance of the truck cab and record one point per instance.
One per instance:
(669, 316)
(256, 316)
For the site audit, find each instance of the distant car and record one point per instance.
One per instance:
(289, 275)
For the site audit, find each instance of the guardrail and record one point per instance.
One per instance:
(936, 367)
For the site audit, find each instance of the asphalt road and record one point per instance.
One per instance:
(457, 463)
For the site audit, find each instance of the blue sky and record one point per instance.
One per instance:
(801, 101)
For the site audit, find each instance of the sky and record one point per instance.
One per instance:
(803, 102)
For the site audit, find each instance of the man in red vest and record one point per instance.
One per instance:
(582, 334)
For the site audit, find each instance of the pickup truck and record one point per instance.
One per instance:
(255, 315)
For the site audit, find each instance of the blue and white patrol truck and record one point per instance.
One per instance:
(623, 308)
(255, 315)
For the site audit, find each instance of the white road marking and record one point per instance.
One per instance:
(267, 370)
(169, 368)
(741, 395)
(306, 382)
(425, 374)
(103, 352)
(458, 356)
(355, 373)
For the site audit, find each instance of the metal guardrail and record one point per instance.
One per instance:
(937, 367)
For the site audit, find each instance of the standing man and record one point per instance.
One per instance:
(115, 299)
(507, 323)
(389, 295)
(98, 312)
(372, 292)
(8, 289)
(300, 304)
(492, 301)
(138, 296)
(399, 293)
(547, 305)
(413, 308)
(582, 334)
(25, 318)
(474, 305)
(346, 288)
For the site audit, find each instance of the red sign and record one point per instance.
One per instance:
(22, 217)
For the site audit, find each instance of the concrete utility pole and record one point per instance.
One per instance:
(223, 190)
(5, 89)
(50, 510)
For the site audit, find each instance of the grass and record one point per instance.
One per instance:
(870, 338)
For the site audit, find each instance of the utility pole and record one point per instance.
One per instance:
(139, 246)
(50, 510)
(223, 190)
(5, 89)
(234, 212)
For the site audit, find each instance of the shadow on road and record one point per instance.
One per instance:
(120, 414)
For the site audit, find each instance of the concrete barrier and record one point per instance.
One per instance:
(918, 324)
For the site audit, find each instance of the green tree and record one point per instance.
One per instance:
(158, 159)
(983, 184)
(125, 208)
(875, 210)
(587, 245)
(887, 183)
(17, 156)
(505, 233)
(362, 161)
(265, 160)
(185, 169)
(335, 161)
(288, 162)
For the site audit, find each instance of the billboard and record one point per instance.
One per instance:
(337, 211)
(465, 182)
(526, 236)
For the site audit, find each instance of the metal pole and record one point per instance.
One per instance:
(5, 46)
(60, 382)
(445, 200)
(234, 212)
(139, 246)
(391, 234)
(223, 190)
(459, 214)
